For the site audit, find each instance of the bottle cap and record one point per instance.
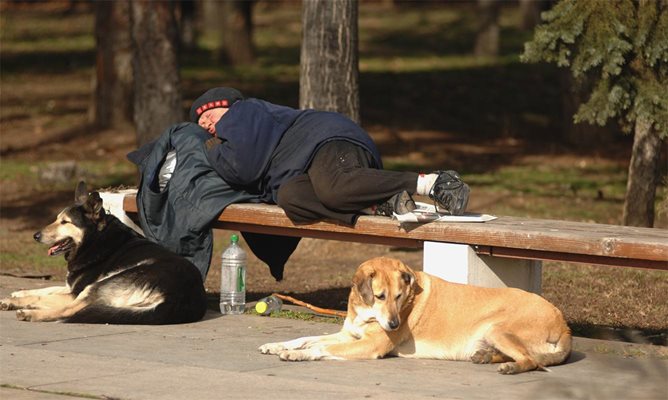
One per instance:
(261, 307)
(234, 238)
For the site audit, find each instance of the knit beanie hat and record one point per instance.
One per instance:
(214, 98)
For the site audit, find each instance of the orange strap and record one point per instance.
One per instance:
(311, 307)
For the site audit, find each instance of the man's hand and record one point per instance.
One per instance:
(211, 143)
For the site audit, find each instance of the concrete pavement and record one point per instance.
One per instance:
(217, 358)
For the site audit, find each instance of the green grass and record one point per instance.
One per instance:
(34, 32)
(97, 174)
(298, 315)
(29, 39)
(556, 181)
(32, 255)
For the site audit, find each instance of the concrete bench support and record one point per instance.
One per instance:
(459, 263)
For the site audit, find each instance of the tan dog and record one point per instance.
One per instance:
(393, 310)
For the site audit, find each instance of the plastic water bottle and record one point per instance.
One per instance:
(233, 279)
(268, 305)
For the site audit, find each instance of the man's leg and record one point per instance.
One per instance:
(344, 178)
(302, 206)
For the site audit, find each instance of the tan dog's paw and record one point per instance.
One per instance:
(508, 368)
(24, 315)
(482, 356)
(295, 355)
(271, 348)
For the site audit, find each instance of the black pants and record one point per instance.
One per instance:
(339, 183)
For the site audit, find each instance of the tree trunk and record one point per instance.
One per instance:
(329, 59)
(530, 11)
(487, 38)
(157, 83)
(643, 176)
(209, 22)
(113, 84)
(188, 33)
(237, 36)
(573, 94)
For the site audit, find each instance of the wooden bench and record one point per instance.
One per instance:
(507, 251)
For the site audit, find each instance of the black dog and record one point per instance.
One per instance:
(114, 275)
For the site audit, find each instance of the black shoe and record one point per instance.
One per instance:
(400, 203)
(449, 193)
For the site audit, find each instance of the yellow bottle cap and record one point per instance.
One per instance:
(261, 307)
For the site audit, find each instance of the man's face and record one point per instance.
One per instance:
(210, 117)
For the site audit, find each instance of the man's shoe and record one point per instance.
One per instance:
(449, 193)
(400, 203)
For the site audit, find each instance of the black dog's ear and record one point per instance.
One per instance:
(362, 282)
(80, 193)
(94, 210)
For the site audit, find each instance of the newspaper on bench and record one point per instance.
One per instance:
(427, 213)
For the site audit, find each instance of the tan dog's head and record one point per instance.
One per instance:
(383, 286)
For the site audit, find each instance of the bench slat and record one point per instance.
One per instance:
(504, 237)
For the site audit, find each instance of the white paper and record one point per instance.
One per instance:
(427, 213)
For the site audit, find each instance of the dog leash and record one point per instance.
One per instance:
(311, 307)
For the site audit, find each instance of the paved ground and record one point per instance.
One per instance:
(218, 358)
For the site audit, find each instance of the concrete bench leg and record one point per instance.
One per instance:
(459, 263)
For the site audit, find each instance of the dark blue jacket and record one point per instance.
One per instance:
(180, 216)
(265, 144)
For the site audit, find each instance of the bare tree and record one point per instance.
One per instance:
(228, 26)
(112, 102)
(156, 69)
(487, 37)
(186, 18)
(329, 72)
(530, 12)
(238, 32)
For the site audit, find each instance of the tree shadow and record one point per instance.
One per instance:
(36, 212)
(574, 357)
(454, 36)
(625, 334)
(62, 136)
(51, 62)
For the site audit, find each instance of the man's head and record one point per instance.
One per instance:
(209, 107)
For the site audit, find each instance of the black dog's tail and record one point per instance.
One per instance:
(164, 313)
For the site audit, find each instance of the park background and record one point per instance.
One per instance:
(426, 98)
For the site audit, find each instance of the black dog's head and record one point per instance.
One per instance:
(74, 223)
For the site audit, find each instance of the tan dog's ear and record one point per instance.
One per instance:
(408, 278)
(407, 274)
(362, 283)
